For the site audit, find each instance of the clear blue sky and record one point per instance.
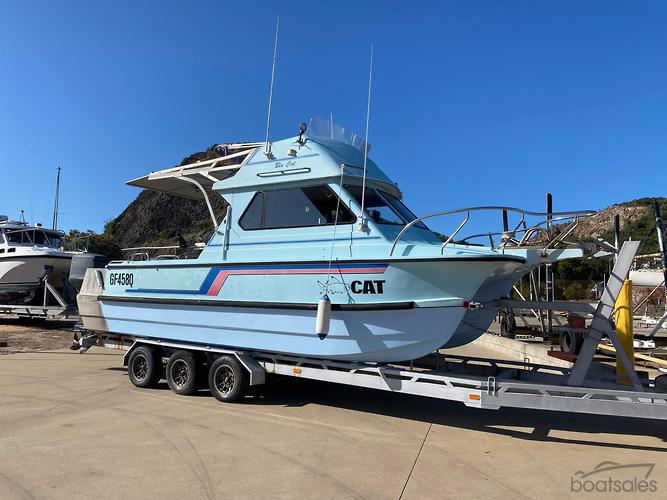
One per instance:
(473, 102)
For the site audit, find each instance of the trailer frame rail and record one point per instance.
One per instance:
(476, 382)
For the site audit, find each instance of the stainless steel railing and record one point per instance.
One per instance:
(508, 237)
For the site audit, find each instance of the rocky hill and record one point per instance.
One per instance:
(156, 219)
(637, 221)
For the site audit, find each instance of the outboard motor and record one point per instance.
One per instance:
(81, 262)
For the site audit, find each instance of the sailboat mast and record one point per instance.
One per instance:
(57, 200)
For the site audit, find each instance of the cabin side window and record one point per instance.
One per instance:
(18, 237)
(295, 207)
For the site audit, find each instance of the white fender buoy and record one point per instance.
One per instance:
(323, 317)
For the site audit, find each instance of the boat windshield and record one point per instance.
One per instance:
(53, 239)
(327, 129)
(400, 207)
(34, 237)
(383, 208)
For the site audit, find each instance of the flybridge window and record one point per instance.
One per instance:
(383, 208)
(295, 207)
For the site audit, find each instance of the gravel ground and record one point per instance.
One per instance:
(30, 336)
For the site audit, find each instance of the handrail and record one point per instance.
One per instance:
(559, 216)
(143, 252)
(451, 237)
(527, 230)
(150, 248)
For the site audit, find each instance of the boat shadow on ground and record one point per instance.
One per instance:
(38, 323)
(530, 425)
(526, 424)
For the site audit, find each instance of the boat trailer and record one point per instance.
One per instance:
(475, 382)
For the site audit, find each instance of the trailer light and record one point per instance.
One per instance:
(297, 370)
(474, 397)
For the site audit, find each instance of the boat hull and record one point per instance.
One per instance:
(383, 311)
(23, 274)
(647, 277)
(355, 335)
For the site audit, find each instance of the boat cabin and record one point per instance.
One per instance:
(300, 199)
(15, 234)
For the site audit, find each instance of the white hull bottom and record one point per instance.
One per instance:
(23, 273)
(381, 336)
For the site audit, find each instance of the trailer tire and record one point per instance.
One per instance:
(570, 342)
(507, 326)
(144, 367)
(661, 383)
(227, 379)
(181, 373)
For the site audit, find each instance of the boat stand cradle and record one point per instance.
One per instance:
(476, 382)
(43, 310)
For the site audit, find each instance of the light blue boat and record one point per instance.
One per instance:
(294, 231)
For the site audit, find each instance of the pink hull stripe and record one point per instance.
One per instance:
(223, 275)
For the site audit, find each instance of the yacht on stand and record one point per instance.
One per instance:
(28, 255)
(307, 225)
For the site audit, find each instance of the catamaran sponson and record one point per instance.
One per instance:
(292, 232)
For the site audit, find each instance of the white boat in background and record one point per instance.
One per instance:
(28, 254)
(647, 277)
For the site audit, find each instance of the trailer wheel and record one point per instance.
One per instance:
(571, 342)
(507, 326)
(227, 379)
(144, 367)
(661, 383)
(182, 373)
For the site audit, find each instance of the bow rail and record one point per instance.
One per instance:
(508, 237)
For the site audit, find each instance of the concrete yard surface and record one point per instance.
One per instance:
(72, 426)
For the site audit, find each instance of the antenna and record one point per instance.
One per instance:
(267, 147)
(362, 219)
(56, 203)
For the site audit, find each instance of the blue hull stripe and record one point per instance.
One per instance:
(271, 269)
